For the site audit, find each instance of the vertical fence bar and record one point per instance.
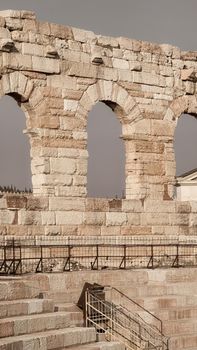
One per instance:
(5, 257)
(177, 254)
(41, 258)
(13, 256)
(20, 257)
(69, 256)
(125, 256)
(97, 256)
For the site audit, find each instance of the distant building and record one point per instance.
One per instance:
(186, 187)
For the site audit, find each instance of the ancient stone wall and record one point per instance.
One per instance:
(57, 74)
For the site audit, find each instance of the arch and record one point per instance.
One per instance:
(14, 147)
(116, 97)
(18, 84)
(183, 104)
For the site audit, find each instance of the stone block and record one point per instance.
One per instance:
(37, 203)
(62, 81)
(70, 105)
(114, 219)
(4, 33)
(32, 49)
(94, 218)
(62, 165)
(107, 41)
(18, 14)
(16, 201)
(69, 218)
(29, 217)
(8, 217)
(45, 65)
(17, 61)
(66, 204)
(2, 21)
(48, 218)
(135, 206)
(79, 180)
(82, 35)
(61, 31)
(133, 219)
(120, 64)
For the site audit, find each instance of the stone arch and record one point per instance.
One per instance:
(128, 112)
(17, 84)
(20, 88)
(116, 97)
(182, 104)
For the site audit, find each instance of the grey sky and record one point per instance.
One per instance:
(163, 21)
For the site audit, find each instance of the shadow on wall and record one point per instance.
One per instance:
(106, 163)
(15, 169)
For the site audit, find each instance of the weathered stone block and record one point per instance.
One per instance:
(113, 219)
(62, 165)
(69, 218)
(45, 65)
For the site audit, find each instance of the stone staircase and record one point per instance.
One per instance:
(179, 318)
(27, 322)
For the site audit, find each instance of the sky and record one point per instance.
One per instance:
(161, 21)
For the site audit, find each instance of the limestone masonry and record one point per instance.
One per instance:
(57, 74)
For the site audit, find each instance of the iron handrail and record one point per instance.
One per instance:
(98, 310)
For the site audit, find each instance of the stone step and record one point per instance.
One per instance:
(98, 346)
(67, 307)
(19, 325)
(183, 341)
(18, 289)
(62, 297)
(154, 303)
(54, 339)
(178, 313)
(176, 327)
(25, 307)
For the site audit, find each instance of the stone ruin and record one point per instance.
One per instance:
(57, 74)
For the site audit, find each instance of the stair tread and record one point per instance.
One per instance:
(35, 316)
(19, 301)
(94, 346)
(55, 332)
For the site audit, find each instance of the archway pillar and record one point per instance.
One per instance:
(150, 165)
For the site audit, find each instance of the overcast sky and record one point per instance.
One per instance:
(162, 21)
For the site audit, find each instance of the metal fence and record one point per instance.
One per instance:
(20, 256)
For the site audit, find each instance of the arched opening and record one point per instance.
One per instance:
(106, 163)
(185, 145)
(15, 171)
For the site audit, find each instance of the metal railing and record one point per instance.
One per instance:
(111, 312)
(18, 257)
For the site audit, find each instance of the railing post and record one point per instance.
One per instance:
(41, 258)
(125, 256)
(13, 252)
(97, 256)
(20, 260)
(69, 256)
(5, 257)
(177, 254)
(86, 308)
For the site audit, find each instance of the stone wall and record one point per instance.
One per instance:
(57, 74)
(22, 215)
